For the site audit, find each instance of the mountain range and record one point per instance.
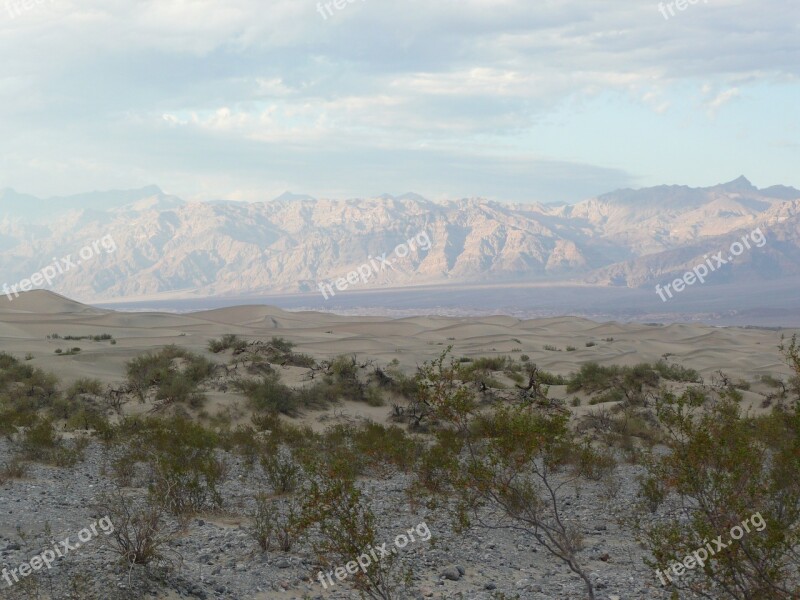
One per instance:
(167, 246)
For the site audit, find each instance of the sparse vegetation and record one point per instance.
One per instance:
(169, 377)
(103, 337)
(491, 455)
(227, 342)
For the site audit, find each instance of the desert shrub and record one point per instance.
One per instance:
(571, 348)
(514, 376)
(87, 417)
(299, 360)
(344, 368)
(197, 369)
(390, 446)
(25, 390)
(676, 372)
(347, 451)
(280, 432)
(611, 395)
(373, 396)
(140, 535)
(488, 363)
(724, 467)
(179, 389)
(40, 442)
(590, 463)
(436, 381)
(148, 370)
(335, 454)
(124, 468)
(245, 442)
(181, 458)
(227, 342)
(524, 358)
(401, 384)
(271, 525)
(282, 471)
(502, 468)
(592, 377)
(347, 529)
(616, 382)
(281, 345)
(590, 344)
(268, 394)
(14, 469)
(551, 348)
(84, 386)
(315, 396)
(771, 381)
(548, 378)
(76, 338)
(175, 372)
(342, 377)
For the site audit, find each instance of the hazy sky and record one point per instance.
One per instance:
(509, 99)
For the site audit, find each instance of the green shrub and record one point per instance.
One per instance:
(489, 363)
(282, 471)
(496, 467)
(676, 372)
(281, 345)
(84, 386)
(268, 394)
(346, 526)
(228, 341)
(175, 372)
(724, 467)
(771, 381)
(181, 457)
(270, 525)
(40, 442)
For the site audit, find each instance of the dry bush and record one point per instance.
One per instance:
(140, 535)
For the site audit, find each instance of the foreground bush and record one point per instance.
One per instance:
(140, 536)
(505, 468)
(181, 458)
(722, 468)
(347, 531)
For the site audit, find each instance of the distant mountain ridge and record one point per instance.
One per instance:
(166, 245)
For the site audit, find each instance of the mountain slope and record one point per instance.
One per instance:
(165, 245)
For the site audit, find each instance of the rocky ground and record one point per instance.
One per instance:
(214, 557)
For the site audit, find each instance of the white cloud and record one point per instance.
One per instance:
(112, 80)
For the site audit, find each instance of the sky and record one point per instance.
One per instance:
(515, 100)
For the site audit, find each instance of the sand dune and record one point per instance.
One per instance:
(26, 322)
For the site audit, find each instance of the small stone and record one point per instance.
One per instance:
(451, 573)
